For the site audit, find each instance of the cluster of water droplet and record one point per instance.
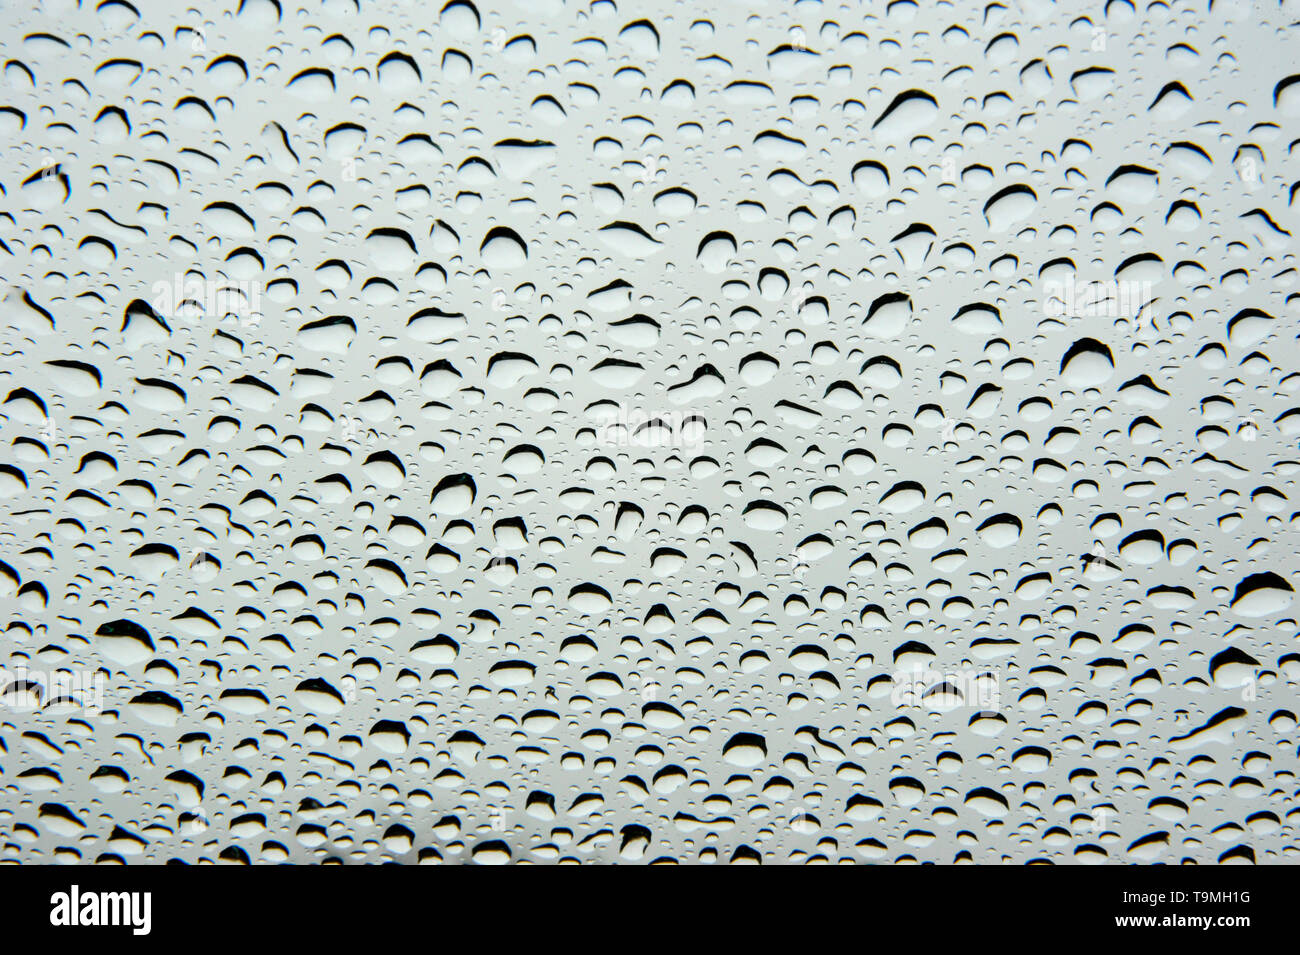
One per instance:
(582, 432)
